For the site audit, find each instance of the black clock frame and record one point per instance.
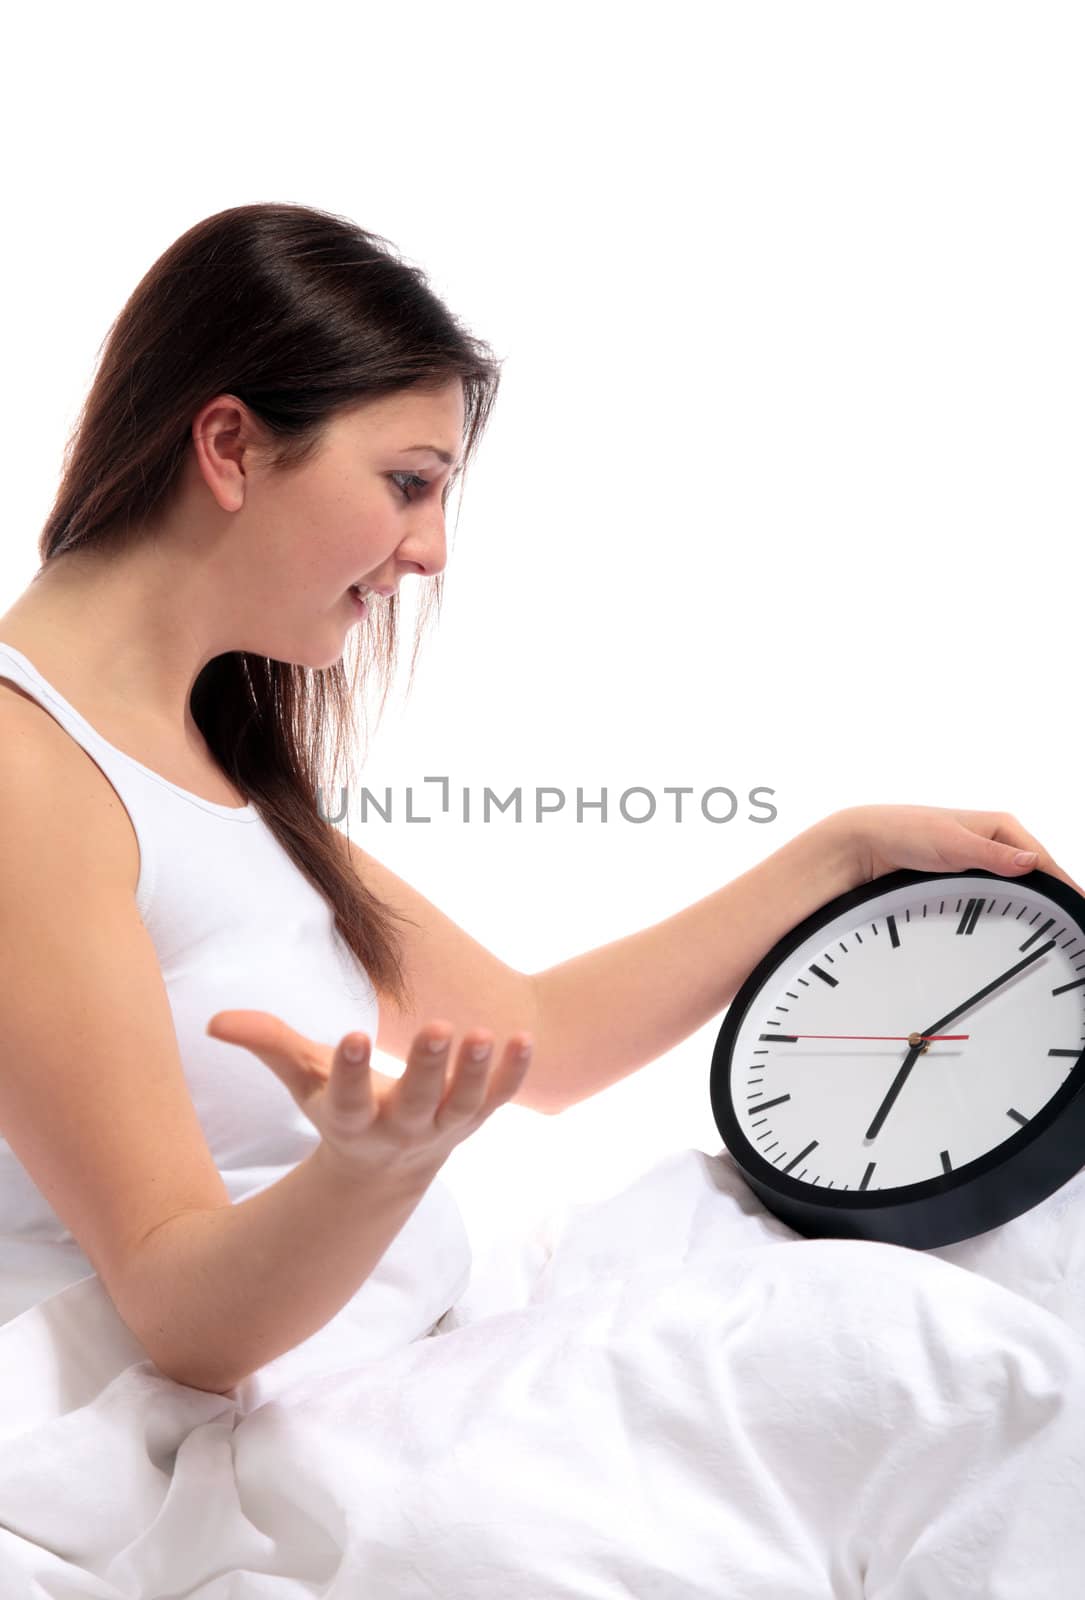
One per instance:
(1027, 1167)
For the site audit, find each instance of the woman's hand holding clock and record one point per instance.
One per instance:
(942, 839)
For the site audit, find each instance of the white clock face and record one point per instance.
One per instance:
(896, 966)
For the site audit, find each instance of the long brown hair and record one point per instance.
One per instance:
(300, 314)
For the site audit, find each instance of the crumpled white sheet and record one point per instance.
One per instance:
(668, 1395)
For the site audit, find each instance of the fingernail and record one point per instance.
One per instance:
(354, 1049)
(1023, 857)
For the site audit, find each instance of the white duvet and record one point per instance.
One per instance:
(668, 1396)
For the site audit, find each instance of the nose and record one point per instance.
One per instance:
(425, 546)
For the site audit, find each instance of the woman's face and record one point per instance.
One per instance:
(366, 509)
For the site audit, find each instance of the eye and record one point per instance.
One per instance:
(413, 482)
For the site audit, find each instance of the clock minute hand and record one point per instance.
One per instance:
(951, 1016)
(996, 983)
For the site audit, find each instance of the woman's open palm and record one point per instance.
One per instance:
(411, 1124)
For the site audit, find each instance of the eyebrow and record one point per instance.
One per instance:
(445, 455)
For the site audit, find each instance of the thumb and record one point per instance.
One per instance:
(1007, 859)
(977, 850)
(251, 1028)
(301, 1063)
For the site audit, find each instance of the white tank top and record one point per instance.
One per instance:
(235, 923)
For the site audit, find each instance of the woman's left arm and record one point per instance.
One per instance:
(598, 1017)
(603, 1014)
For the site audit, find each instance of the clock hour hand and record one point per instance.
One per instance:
(895, 1087)
(951, 1016)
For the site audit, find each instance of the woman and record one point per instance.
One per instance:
(280, 413)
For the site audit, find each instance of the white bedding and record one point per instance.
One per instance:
(668, 1395)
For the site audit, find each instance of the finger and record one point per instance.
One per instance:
(422, 1082)
(256, 1030)
(991, 840)
(300, 1063)
(513, 1069)
(467, 1090)
(1007, 831)
(1021, 839)
(350, 1083)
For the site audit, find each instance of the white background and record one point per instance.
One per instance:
(784, 484)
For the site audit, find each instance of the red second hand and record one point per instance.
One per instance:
(902, 1037)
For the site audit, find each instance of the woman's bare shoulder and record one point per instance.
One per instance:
(66, 775)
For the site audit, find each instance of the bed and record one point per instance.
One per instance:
(667, 1394)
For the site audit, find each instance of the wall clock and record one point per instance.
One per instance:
(907, 1065)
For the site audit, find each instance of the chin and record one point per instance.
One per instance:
(317, 655)
(319, 662)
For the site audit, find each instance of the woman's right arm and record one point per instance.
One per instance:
(277, 1266)
(94, 1104)
(246, 1282)
(219, 1293)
